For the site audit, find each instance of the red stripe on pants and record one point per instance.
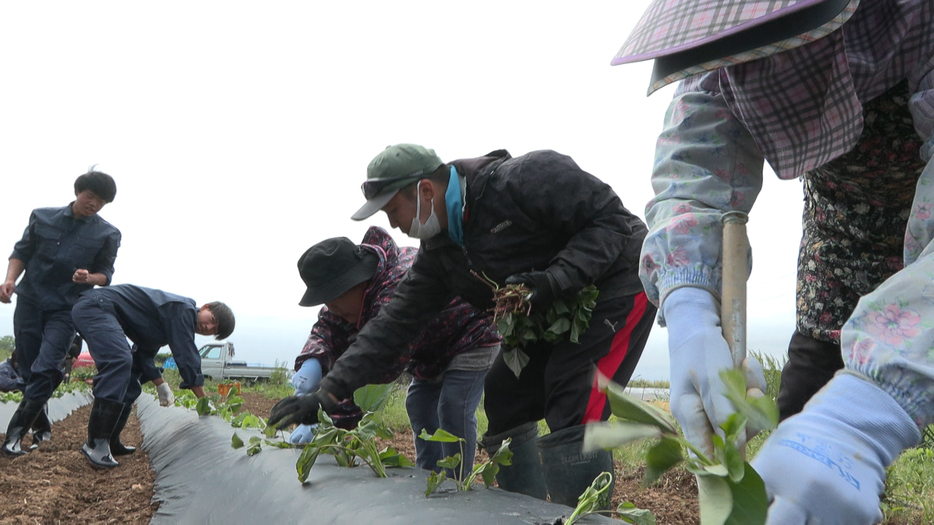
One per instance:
(610, 363)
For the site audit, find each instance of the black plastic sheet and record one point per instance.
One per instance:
(59, 407)
(200, 478)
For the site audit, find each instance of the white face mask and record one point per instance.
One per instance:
(431, 227)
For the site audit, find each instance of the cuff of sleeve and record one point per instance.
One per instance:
(561, 281)
(198, 381)
(697, 277)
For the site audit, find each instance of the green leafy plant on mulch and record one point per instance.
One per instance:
(729, 489)
(485, 470)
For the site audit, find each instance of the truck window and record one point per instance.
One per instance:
(211, 352)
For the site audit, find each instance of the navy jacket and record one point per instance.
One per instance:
(54, 245)
(152, 319)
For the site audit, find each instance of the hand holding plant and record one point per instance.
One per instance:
(729, 489)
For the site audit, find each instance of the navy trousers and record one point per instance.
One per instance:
(42, 340)
(96, 319)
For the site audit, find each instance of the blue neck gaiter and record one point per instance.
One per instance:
(454, 204)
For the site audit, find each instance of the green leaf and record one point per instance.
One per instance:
(450, 462)
(392, 458)
(560, 326)
(629, 513)
(630, 408)
(487, 471)
(715, 499)
(662, 456)
(204, 406)
(503, 456)
(440, 435)
(515, 359)
(307, 460)
(750, 500)
(613, 434)
(761, 412)
(236, 442)
(435, 479)
(594, 498)
(255, 447)
(371, 397)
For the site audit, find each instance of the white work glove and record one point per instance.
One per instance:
(827, 464)
(698, 353)
(302, 434)
(307, 378)
(166, 397)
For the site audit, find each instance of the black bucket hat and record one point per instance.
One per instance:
(332, 267)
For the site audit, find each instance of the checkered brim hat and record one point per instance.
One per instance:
(686, 37)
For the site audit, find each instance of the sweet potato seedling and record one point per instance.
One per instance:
(729, 489)
(485, 470)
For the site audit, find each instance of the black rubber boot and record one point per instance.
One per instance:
(41, 428)
(116, 447)
(525, 473)
(569, 472)
(19, 424)
(101, 424)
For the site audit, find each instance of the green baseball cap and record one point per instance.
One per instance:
(393, 169)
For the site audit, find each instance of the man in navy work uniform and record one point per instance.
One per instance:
(64, 251)
(107, 317)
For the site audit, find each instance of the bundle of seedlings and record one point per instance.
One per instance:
(521, 325)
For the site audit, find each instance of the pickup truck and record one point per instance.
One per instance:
(217, 363)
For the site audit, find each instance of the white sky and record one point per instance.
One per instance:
(239, 133)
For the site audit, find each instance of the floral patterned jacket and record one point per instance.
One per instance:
(459, 328)
(709, 160)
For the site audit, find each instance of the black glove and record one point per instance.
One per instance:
(300, 409)
(541, 284)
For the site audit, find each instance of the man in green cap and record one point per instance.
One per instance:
(538, 220)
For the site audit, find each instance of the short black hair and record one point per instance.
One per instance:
(225, 319)
(440, 176)
(100, 183)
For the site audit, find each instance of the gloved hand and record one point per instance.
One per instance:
(302, 434)
(166, 397)
(542, 285)
(308, 376)
(698, 353)
(301, 409)
(827, 463)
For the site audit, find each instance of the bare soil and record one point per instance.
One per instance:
(56, 484)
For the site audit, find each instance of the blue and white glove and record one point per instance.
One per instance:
(302, 434)
(827, 464)
(698, 353)
(307, 378)
(305, 381)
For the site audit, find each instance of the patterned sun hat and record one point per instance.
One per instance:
(686, 37)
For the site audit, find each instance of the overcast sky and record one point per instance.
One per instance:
(239, 133)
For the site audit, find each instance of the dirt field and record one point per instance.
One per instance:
(55, 483)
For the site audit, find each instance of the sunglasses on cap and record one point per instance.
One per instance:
(374, 187)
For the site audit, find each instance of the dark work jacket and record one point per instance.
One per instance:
(54, 245)
(535, 212)
(152, 319)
